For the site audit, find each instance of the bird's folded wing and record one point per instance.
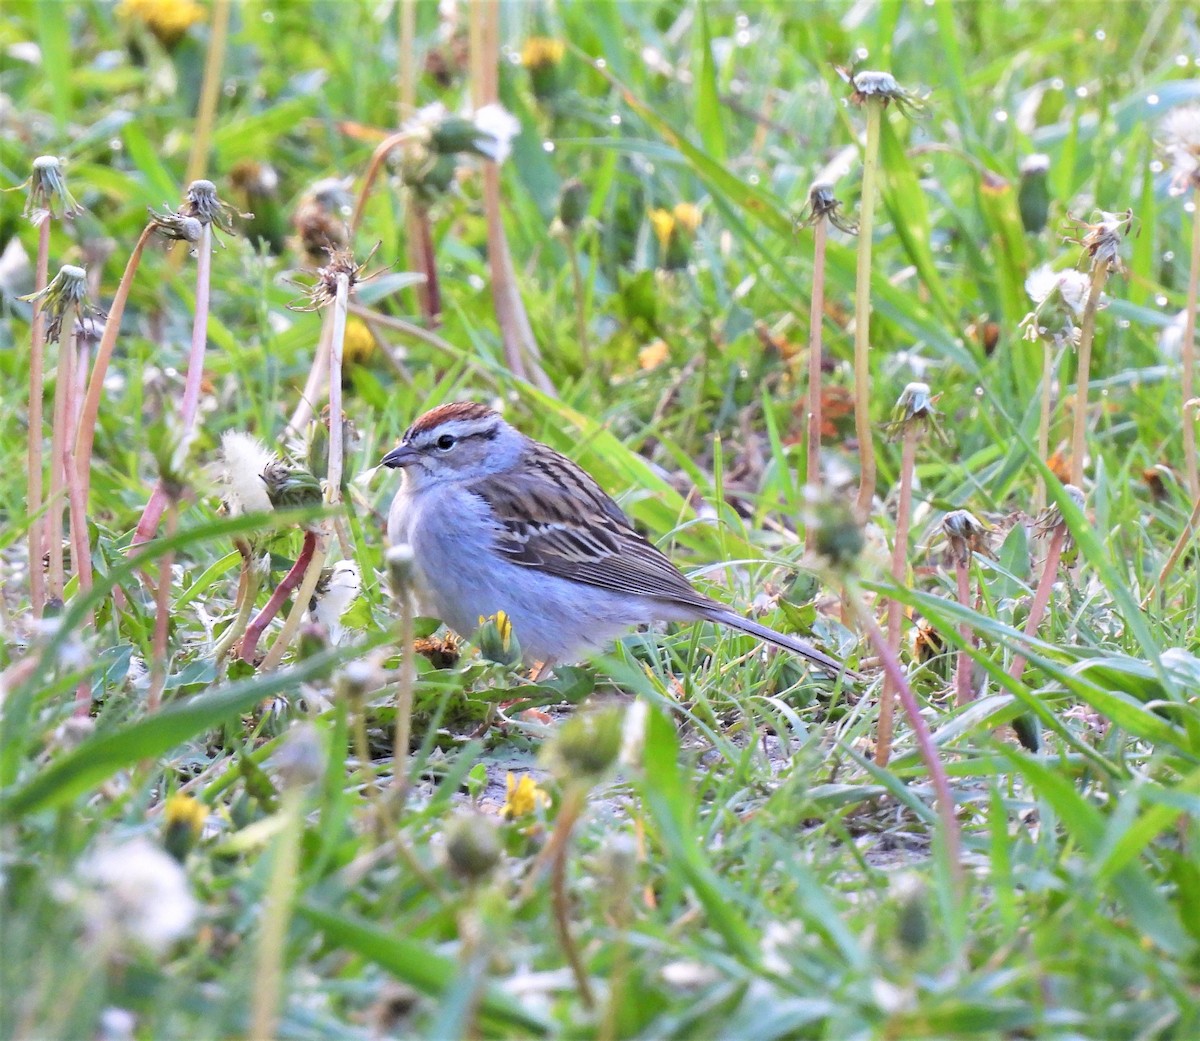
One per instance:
(542, 525)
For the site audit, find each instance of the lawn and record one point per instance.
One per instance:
(874, 317)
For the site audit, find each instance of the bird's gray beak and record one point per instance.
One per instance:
(400, 456)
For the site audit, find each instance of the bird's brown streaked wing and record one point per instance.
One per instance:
(542, 527)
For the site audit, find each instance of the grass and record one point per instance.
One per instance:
(746, 869)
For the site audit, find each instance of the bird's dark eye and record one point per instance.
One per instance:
(445, 442)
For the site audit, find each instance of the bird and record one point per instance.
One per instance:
(497, 521)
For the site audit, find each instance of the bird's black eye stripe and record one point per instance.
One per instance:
(445, 442)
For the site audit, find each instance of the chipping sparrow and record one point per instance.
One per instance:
(500, 522)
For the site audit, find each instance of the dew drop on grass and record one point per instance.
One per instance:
(1001, 116)
(1181, 60)
(1189, 206)
(1152, 99)
(268, 17)
(742, 37)
(547, 146)
(1057, 83)
(1160, 300)
(1156, 166)
(1081, 92)
(753, 178)
(979, 392)
(1168, 255)
(601, 63)
(615, 119)
(742, 20)
(862, 54)
(1101, 34)
(115, 144)
(1124, 323)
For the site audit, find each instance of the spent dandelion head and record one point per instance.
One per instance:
(586, 746)
(291, 487)
(822, 204)
(881, 88)
(47, 186)
(572, 208)
(839, 541)
(321, 216)
(66, 292)
(341, 265)
(965, 536)
(1051, 520)
(202, 202)
(1181, 137)
(1101, 238)
(176, 227)
(472, 846)
(915, 408)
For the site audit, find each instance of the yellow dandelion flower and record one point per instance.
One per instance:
(523, 798)
(359, 344)
(184, 810)
(653, 355)
(687, 216)
(663, 223)
(168, 20)
(542, 52)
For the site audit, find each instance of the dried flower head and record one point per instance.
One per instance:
(1181, 133)
(824, 205)
(341, 265)
(1051, 519)
(176, 227)
(201, 201)
(246, 460)
(881, 88)
(320, 218)
(47, 186)
(572, 208)
(134, 892)
(966, 535)
(66, 292)
(914, 407)
(1102, 238)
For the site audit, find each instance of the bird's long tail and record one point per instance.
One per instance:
(788, 643)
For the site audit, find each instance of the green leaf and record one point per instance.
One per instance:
(708, 97)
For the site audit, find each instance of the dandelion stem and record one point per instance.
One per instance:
(1087, 332)
(430, 291)
(248, 583)
(85, 437)
(148, 525)
(64, 380)
(382, 151)
(568, 815)
(337, 444)
(37, 388)
(404, 701)
(580, 292)
(1188, 353)
(962, 675)
(291, 624)
(1185, 536)
(816, 318)
(921, 734)
(1041, 596)
(292, 579)
(862, 312)
(277, 913)
(162, 615)
(887, 699)
(1043, 443)
(316, 382)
